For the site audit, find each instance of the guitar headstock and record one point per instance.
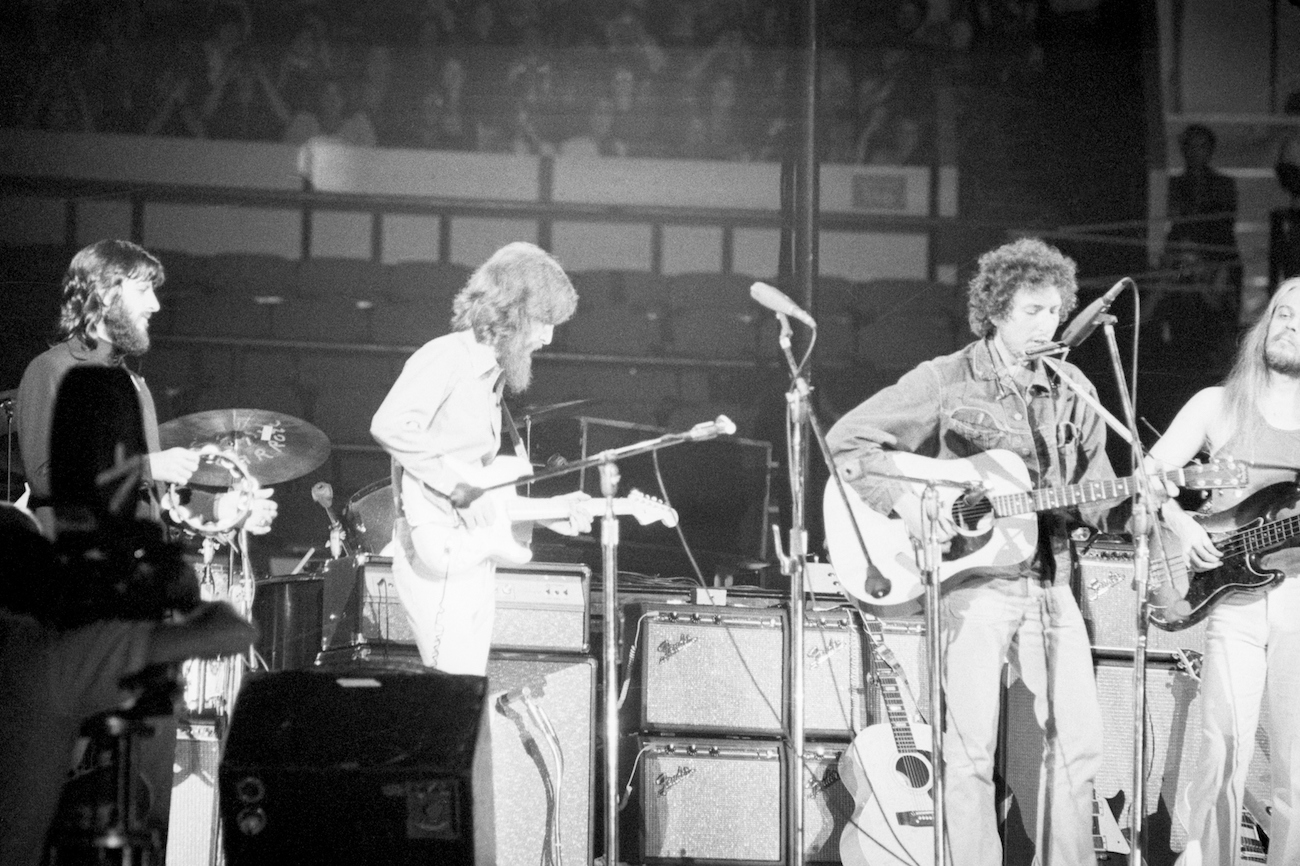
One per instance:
(648, 509)
(1218, 473)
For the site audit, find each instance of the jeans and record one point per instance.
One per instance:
(1038, 628)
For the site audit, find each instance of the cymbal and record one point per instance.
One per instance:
(532, 413)
(274, 447)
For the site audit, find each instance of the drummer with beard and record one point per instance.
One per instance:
(441, 423)
(109, 295)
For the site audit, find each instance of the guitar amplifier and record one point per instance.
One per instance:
(1109, 603)
(688, 793)
(541, 607)
(688, 796)
(707, 669)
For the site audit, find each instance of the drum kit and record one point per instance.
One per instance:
(242, 451)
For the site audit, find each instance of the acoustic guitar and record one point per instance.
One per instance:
(888, 772)
(996, 518)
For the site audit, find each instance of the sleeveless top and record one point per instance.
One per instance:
(1273, 457)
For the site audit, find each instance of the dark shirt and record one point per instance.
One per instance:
(34, 409)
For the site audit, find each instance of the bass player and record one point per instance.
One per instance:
(994, 394)
(1252, 642)
(441, 423)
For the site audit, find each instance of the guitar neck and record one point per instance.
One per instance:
(1257, 539)
(890, 684)
(1048, 498)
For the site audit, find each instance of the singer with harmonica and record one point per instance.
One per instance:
(996, 396)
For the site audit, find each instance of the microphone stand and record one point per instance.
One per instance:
(1141, 571)
(1142, 522)
(607, 462)
(798, 414)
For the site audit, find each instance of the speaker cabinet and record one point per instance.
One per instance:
(706, 669)
(350, 767)
(543, 757)
(192, 837)
(1109, 603)
(1172, 747)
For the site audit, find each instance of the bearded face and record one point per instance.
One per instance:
(128, 331)
(1282, 351)
(126, 321)
(515, 353)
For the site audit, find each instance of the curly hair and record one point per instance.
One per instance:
(520, 283)
(92, 276)
(1025, 263)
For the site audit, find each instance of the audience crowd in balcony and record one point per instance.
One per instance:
(704, 79)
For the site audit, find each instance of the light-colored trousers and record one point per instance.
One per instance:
(1252, 655)
(1039, 629)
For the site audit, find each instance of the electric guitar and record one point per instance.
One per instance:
(888, 771)
(995, 517)
(1107, 837)
(1243, 533)
(505, 541)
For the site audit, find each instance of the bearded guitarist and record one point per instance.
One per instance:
(441, 423)
(1252, 646)
(993, 394)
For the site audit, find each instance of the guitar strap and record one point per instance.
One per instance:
(521, 450)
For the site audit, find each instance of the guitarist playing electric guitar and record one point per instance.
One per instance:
(441, 423)
(996, 395)
(1252, 646)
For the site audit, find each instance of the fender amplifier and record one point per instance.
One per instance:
(1109, 602)
(541, 606)
(706, 668)
(722, 801)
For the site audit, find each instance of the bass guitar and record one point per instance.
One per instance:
(1243, 533)
(888, 772)
(996, 518)
(505, 541)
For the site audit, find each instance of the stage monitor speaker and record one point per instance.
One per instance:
(706, 669)
(192, 837)
(347, 767)
(1109, 602)
(543, 758)
(1172, 748)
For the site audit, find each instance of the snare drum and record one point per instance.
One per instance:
(369, 516)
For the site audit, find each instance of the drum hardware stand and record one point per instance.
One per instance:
(607, 462)
(7, 404)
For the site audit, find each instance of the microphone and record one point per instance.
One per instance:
(778, 302)
(721, 426)
(323, 493)
(1086, 322)
(556, 461)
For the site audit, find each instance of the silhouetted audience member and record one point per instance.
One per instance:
(1202, 241)
(337, 116)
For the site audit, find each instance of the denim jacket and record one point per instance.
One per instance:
(964, 404)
